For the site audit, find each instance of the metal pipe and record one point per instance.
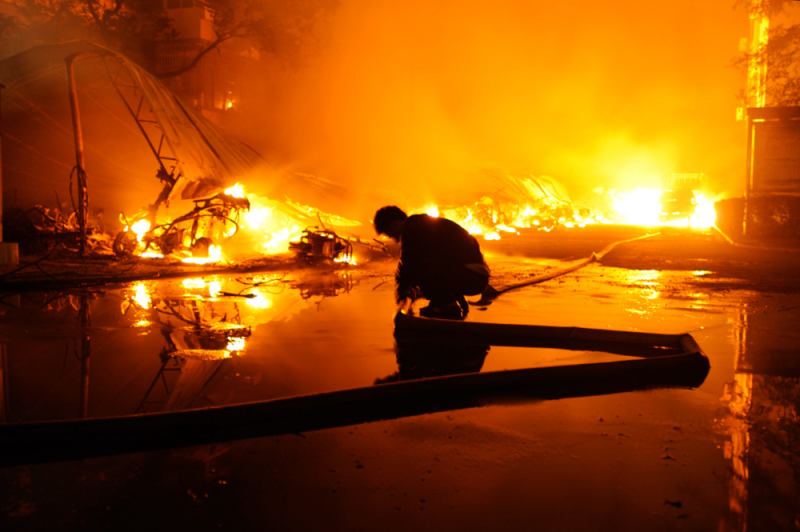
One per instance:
(86, 351)
(748, 182)
(80, 160)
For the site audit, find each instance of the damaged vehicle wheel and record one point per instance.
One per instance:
(124, 244)
(201, 247)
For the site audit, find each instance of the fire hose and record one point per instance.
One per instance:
(492, 293)
(750, 246)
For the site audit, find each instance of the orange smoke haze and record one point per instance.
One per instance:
(409, 99)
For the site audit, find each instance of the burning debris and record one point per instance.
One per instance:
(518, 202)
(266, 226)
(53, 226)
(489, 217)
(317, 244)
(196, 161)
(540, 203)
(193, 235)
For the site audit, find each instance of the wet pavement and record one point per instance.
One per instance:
(722, 456)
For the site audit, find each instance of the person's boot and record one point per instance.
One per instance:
(445, 309)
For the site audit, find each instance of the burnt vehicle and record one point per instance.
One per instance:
(210, 221)
(676, 204)
(321, 244)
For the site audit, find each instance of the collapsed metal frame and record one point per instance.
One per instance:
(169, 177)
(162, 237)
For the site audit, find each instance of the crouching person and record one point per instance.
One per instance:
(438, 257)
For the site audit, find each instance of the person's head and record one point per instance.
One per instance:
(389, 221)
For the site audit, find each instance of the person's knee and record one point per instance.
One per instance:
(475, 285)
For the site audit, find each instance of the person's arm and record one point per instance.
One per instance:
(403, 285)
(411, 259)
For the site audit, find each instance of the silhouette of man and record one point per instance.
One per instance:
(438, 257)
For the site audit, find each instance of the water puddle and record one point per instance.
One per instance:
(169, 345)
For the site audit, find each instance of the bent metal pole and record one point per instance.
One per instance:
(80, 162)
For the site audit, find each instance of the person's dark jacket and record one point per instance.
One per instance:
(433, 247)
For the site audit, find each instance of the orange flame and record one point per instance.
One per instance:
(268, 226)
(490, 219)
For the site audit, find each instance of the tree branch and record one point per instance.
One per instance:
(194, 62)
(91, 5)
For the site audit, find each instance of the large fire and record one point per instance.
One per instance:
(647, 207)
(489, 218)
(262, 226)
(271, 227)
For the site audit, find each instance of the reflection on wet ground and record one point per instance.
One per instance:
(722, 456)
(197, 342)
(177, 344)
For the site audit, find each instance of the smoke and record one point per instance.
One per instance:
(408, 100)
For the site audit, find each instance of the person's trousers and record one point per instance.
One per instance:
(444, 286)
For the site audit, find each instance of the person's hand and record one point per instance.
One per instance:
(413, 293)
(404, 305)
